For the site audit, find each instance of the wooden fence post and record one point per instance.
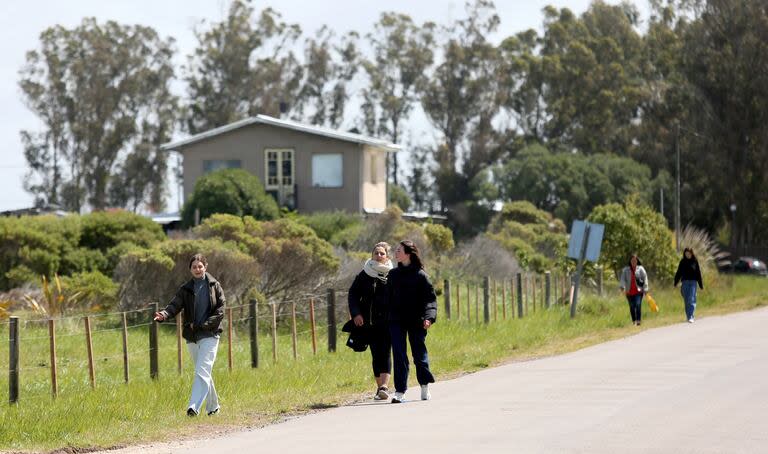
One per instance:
(154, 364)
(458, 301)
(503, 299)
(274, 332)
(469, 303)
(447, 298)
(331, 320)
(229, 338)
(486, 300)
(54, 374)
(253, 331)
(477, 303)
(13, 360)
(519, 295)
(547, 289)
(600, 281)
(312, 325)
(495, 301)
(293, 330)
(89, 345)
(125, 348)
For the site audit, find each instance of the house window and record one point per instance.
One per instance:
(272, 167)
(327, 170)
(216, 164)
(279, 168)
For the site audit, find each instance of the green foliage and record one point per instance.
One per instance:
(102, 92)
(535, 237)
(569, 185)
(399, 196)
(291, 257)
(326, 224)
(104, 230)
(242, 66)
(440, 238)
(401, 54)
(95, 291)
(154, 274)
(231, 191)
(635, 228)
(33, 246)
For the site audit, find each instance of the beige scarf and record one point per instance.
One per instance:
(378, 270)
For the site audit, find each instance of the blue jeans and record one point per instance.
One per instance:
(417, 336)
(688, 290)
(635, 306)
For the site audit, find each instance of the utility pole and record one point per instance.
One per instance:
(661, 201)
(677, 187)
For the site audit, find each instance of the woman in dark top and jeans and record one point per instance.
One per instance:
(368, 306)
(412, 311)
(690, 273)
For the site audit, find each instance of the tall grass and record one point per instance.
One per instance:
(145, 410)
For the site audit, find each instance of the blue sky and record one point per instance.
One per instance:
(22, 21)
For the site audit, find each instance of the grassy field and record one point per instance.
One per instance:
(149, 410)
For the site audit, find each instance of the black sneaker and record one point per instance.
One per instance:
(191, 412)
(213, 412)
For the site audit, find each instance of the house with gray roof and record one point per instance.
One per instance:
(305, 168)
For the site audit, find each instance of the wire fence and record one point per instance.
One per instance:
(128, 348)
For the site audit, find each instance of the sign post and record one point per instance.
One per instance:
(584, 245)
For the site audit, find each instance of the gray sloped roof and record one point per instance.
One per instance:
(288, 124)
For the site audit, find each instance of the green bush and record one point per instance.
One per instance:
(535, 237)
(33, 246)
(399, 196)
(154, 275)
(230, 191)
(328, 223)
(106, 229)
(95, 291)
(636, 228)
(291, 257)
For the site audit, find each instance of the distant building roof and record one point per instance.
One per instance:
(288, 124)
(36, 211)
(165, 218)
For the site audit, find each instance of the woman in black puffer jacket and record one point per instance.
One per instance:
(367, 306)
(412, 310)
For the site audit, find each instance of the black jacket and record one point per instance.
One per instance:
(368, 297)
(411, 297)
(185, 301)
(689, 270)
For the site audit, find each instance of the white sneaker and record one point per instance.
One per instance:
(690, 320)
(382, 393)
(425, 395)
(398, 398)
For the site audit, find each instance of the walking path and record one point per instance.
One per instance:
(686, 388)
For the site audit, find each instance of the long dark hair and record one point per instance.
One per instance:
(693, 256)
(409, 247)
(629, 262)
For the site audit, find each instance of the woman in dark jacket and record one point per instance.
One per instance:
(412, 310)
(202, 300)
(367, 306)
(690, 273)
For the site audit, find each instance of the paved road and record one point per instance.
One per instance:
(700, 388)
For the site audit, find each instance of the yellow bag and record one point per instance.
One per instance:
(652, 303)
